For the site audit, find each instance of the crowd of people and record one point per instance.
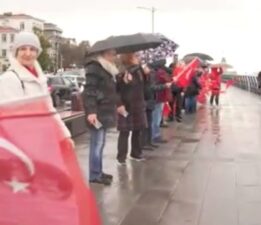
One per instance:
(139, 99)
(136, 98)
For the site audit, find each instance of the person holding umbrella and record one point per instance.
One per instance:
(100, 96)
(100, 101)
(134, 119)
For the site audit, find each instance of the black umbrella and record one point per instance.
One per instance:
(188, 59)
(200, 55)
(126, 43)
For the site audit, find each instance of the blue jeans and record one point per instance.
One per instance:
(191, 104)
(156, 119)
(97, 143)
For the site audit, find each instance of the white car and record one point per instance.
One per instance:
(73, 79)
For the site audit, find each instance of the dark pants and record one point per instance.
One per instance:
(136, 148)
(146, 133)
(176, 105)
(214, 97)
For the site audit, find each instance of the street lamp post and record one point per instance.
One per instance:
(152, 10)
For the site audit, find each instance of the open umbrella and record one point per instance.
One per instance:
(188, 59)
(126, 43)
(202, 56)
(166, 49)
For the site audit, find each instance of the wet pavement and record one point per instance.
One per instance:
(208, 174)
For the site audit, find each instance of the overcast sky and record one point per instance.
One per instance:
(229, 28)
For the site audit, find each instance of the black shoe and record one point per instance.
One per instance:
(153, 145)
(107, 176)
(160, 141)
(179, 119)
(102, 180)
(164, 125)
(171, 119)
(148, 148)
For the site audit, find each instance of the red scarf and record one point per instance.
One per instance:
(32, 70)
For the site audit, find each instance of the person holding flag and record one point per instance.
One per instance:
(215, 84)
(40, 179)
(25, 78)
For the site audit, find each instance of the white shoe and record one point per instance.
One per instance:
(121, 163)
(137, 159)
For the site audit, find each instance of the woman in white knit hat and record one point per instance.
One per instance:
(25, 78)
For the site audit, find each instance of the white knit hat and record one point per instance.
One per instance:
(26, 38)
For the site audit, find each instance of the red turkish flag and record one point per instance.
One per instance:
(184, 76)
(202, 97)
(40, 180)
(166, 109)
(229, 83)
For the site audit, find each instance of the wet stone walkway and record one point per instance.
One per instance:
(208, 174)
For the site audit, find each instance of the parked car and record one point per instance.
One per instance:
(79, 74)
(61, 89)
(73, 78)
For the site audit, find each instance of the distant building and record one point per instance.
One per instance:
(7, 35)
(21, 22)
(10, 24)
(54, 35)
(69, 41)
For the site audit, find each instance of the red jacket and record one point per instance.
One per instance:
(215, 80)
(163, 77)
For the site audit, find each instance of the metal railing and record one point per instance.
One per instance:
(248, 83)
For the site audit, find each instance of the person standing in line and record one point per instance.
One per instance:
(134, 120)
(25, 78)
(215, 84)
(163, 96)
(259, 80)
(101, 103)
(151, 88)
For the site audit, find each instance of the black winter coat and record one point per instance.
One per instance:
(132, 97)
(100, 96)
(193, 88)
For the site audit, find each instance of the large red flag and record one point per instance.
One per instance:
(202, 97)
(184, 76)
(40, 180)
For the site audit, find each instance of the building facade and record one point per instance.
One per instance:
(7, 35)
(21, 22)
(54, 36)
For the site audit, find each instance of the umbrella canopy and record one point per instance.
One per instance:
(126, 43)
(189, 59)
(166, 49)
(202, 56)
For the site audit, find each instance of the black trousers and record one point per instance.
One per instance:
(136, 148)
(214, 97)
(177, 103)
(146, 136)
